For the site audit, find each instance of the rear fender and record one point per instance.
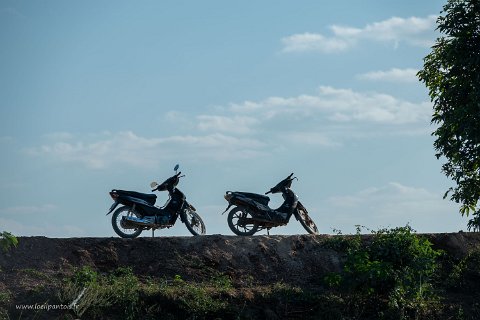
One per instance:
(233, 200)
(130, 202)
(114, 205)
(241, 202)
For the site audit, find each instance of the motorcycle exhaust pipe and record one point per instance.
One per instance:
(138, 222)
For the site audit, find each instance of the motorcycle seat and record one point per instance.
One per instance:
(150, 198)
(254, 196)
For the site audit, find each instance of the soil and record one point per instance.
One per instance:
(297, 260)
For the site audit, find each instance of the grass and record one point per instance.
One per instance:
(123, 294)
(34, 273)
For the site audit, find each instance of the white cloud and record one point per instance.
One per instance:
(392, 75)
(395, 205)
(127, 148)
(247, 130)
(339, 105)
(392, 192)
(314, 42)
(235, 124)
(413, 31)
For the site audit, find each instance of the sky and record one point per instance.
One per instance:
(98, 95)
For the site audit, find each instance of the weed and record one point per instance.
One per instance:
(221, 282)
(198, 298)
(89, 292)
(122, 294)
(5, 297)
(34, 273)
(84, 276)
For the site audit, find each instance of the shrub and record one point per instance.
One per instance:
(84, 276)
(396, 266)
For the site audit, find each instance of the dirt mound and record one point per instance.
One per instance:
(32, 272)
(265, 258)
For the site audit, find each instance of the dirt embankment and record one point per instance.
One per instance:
(265, 258)
(296, 260)
(292, 259)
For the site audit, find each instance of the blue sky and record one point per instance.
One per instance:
(99, 95)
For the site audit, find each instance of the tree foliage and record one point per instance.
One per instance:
(7, 240)
(451, 72)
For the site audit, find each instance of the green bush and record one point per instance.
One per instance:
(84, 276)
(396, 266)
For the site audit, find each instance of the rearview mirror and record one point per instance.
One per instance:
(153, 185)
(176, 167)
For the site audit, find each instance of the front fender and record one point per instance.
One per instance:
(183, 216)
(299, 206)
(185, 206)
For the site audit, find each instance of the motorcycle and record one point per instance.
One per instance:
(252, 213)
(139, 212)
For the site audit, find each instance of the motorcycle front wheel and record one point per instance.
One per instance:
(306, 222)
(194, 223)
(241, 222)
(119, 226)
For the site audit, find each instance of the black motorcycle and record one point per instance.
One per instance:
(251, 212)
(139, 212)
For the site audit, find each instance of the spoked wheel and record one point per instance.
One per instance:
(306, 221)
(241, 222)
(120, 227)
(194, 223)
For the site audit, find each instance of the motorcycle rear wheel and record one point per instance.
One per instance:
(194, 223)
(306, 222)
(117, 220)
(239, 214)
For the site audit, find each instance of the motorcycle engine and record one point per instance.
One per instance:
(162, 219)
